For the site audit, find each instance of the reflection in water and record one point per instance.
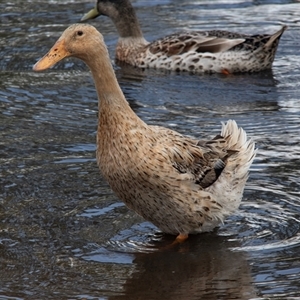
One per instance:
(64, 235)
(203, 266)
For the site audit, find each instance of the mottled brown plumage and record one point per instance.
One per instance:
(193, 51)
(180, 184)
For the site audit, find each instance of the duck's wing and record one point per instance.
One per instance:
(201, 162)
(198, 41)
(208, 160)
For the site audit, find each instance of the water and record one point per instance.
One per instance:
(65, 235)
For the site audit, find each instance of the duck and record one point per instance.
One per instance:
(181, 184)
(214, 51)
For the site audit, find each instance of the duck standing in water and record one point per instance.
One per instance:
(194, 51)
(180, 184)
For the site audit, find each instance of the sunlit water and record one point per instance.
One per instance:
(65, 235)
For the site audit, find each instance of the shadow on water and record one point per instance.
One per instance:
(65, 235)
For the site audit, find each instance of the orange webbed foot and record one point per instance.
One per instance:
(181, 237)
(225, 72)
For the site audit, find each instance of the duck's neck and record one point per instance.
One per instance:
(126, 22)
(113, 106)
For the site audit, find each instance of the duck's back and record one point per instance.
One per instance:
(200, 51)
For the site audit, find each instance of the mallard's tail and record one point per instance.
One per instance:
(275, 37)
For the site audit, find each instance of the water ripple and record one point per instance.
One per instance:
(60, 222)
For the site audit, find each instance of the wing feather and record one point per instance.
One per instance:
(203, 161)
(184, 42)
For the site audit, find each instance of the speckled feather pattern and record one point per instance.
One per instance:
(202, 52)
(141, 166)
(194, 51)
(181, 184)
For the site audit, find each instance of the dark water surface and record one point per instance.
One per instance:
(65, 235)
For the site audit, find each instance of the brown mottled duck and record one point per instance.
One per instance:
(181, 184)
(193, 51)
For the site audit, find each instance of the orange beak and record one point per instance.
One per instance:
(55, 54)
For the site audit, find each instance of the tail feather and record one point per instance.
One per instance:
(275, 36)
(236, 136)
(230, 184)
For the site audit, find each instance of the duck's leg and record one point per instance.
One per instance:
(178, 240)
(225, 72)
(181, 237)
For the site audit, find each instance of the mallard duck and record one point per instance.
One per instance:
(194, 51)
(180, 184)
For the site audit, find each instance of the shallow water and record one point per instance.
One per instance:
(65, 235)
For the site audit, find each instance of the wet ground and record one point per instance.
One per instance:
(65, 235)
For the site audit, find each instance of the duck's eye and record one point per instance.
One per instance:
(79, 32)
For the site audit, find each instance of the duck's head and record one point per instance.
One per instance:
(74, 42)
(110, 8)
(121, 12)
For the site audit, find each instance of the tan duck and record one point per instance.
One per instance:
(195, 51)
(180, 184)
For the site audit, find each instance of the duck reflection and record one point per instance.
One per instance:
(203, 267)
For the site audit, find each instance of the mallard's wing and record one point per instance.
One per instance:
(213, 41)
(199, 42)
